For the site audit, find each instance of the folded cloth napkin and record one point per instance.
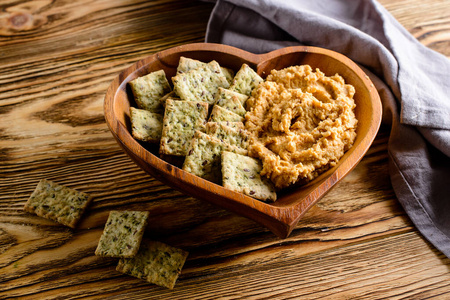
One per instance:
(413, 82)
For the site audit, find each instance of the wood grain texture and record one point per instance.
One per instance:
(57, 59)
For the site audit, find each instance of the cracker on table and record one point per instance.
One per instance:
(186, 64)
(233, 101)
(220, 114)
(242, 174)
(203, 158)
(245, 81)
(58, 203)
(155, 262)
(181, 120)
(122, 234)
(145, 125)
(200, 84)
(233, 136)
(148, 89)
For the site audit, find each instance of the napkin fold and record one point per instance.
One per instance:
(413, 82)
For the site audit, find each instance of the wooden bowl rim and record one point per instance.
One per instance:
(288, 215)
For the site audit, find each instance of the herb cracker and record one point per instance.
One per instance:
(203, 158)
(231, 100)
(122, 234)
(186, 64)
(200, 84)
(242, 174)
(155, 262)
(227, 134)
(181, 119)
(58, 203)
(145, 125)
(220, 114)
(246, 80)
(148, 89)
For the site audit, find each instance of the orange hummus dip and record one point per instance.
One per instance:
(301, 122)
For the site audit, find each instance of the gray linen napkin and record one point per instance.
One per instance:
(413, 82)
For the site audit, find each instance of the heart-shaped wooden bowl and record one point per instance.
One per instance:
(279, 217)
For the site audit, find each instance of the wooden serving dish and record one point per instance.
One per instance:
(279, 217)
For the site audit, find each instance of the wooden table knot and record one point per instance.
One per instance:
(19, 20)
(23, 21)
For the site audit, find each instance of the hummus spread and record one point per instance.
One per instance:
(301, 122)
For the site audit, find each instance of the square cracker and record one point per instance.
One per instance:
(200, 84)
(220, 114)
(233, 136)
(186, 64)
(203, 158)
(145, 125)
(241, 174)
(233, 101)
(245, 81)
(58, 203)
(155, 262)
(122, 234)
(181, 120)
(148, 89)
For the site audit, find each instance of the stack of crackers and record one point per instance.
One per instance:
(122, 236)
(201, 121)
(152, 261)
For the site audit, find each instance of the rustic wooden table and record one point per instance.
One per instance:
(57, 59)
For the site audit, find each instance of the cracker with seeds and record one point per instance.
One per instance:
(145, 125)
(148, 89)
(234, 125)
(203, 158)
(155, 262)
(242, 174)
(181, 120)
(58, 203)
(200, 84)
(235, 137)
(231, 100)
(246, 80)
(220, 114)
(186, 64)
(122, 234)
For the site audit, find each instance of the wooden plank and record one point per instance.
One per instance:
(428, 21)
